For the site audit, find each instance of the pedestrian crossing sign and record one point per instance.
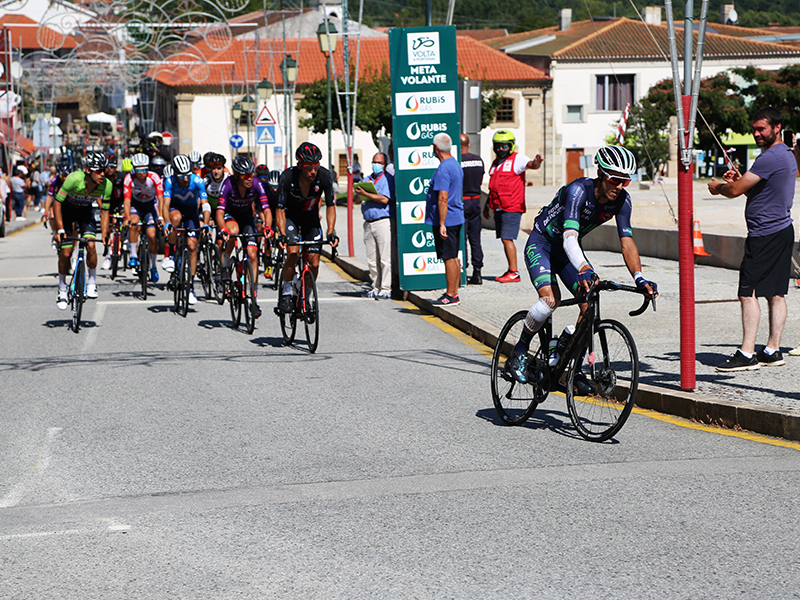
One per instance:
(265, 134)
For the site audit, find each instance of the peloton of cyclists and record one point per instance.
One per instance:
(143, 194)
(297, 214)
(113, 208)
(184, 197)
(73, 207)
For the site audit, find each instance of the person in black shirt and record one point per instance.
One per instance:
(473, 167)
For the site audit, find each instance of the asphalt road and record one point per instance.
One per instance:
(151, 456)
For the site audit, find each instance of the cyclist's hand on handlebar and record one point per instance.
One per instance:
(585, 278)
(650, 286)
(226, 235)
(268, 233)
(333, 240)
(206, 228)
(167, 228)
(281, 239)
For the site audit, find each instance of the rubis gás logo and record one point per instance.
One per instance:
(418, 157)
(423, 48)
(419, 264)
(412, 213)
(424, 103)
(424, 131)
(418, 186)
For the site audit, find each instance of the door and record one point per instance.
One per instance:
(574, 164)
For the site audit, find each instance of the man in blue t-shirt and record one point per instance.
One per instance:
(444, 211)
(375, 207)
(766, 266)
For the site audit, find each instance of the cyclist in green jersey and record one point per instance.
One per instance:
(73, 206)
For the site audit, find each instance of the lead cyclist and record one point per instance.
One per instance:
(554, 248)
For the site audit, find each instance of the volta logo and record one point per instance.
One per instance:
(419, 264)
(423, 48)
(412, 131)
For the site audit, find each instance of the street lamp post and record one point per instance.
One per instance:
(236, 113)
(289, 71)
(327, 38)
(248, 106)
(265, 90)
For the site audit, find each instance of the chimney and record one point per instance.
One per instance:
(652, 15)
(729, 16)
(564, 19)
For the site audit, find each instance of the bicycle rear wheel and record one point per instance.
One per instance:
(235, 293)
(311, 311)
(144, 264)
(249, 298)
(277, 270)
(184, 282)
(115, 247)
(78, 295)
(514, 401)
(289, 322)
(602, 384)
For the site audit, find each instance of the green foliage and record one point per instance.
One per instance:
(490, 103)
(779, 89)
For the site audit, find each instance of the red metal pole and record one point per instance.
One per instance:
(350, 247)
(686, 262)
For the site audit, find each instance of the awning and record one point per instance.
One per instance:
(17, 142)
(101, 117)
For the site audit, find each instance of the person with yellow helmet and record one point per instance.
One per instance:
(507, 195)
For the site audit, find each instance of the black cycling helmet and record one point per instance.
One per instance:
(64, 167)
(95, 161)
(243, 166)
(219, 158)
(181, 165)
(112, 161)
(308, 154)
(262, 171)
(207, 158)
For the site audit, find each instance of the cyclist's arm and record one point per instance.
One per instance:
(127, 184)
(57, 216)
(330, 218)
(575, 200)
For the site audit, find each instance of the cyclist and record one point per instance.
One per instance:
(554, 244)
(197, 161)
(143, 192)
(113, 208)
(184, 197)
(63, 170)
(157, 165)
(215, 177)
(240, 198)
(270, 181)
(73, 207)
(297, 213)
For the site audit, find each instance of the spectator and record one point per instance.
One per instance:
(507, 196)
(5, 195)
(377, 229)
(18, 193)
(356, 169)
(766, 266)
(444, 211)
(473, 167)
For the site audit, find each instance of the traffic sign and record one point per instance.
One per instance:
(265, 117)
(237, 141)
(265, 134)
(166, 138)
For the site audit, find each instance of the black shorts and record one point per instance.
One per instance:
(447, 248)
(81, 217)
(767, 264)
(246, 222)
(306, 229)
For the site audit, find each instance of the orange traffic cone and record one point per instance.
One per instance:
(697, 239)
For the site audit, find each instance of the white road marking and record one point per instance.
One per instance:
(16, 493)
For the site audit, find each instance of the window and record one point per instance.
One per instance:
(614, 92)
(505, 114)
(342, 165)
(574, 114)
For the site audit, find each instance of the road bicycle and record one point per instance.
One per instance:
(272, 257)
(180, 280)
(76, 290)
(240, 289)
(118, 252)
(597, 369)
(305, 301)
(209, 268)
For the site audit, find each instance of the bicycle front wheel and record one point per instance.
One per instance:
(311, 311)
(515, 401)
(602, 382)
(144, 264)
(235, 294)
(184, 282)
(249, 298)
(78, 295)
(115, 244)
(203, 272)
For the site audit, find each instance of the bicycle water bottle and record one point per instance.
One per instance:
(240, 272)
(553, 353)
(561, 344)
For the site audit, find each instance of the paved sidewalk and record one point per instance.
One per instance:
(766, 400)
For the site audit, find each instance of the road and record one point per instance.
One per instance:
(151, 456)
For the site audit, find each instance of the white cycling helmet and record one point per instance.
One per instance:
(195, 158)
(181, 165)
(140, 160)
(167, 171)
(615, 159)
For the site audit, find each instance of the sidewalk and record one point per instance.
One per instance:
(764, 401)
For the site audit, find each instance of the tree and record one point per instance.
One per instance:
(779, 89)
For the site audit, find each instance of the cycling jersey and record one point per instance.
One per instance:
(231, 201)
(55, 184)
(293, 202)
(143, 192)
(576, 207)
(73, 190)
(213, 188)
(117, 194)
(186, 199)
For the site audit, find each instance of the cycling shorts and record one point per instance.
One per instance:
(79, 217)
(246, 222)
(146, 211)
(304, 230)
(189, 218)
(544, 260)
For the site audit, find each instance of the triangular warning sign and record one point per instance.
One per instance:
(265, 117)
(266, 136)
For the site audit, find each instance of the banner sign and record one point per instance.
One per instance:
(424, 102)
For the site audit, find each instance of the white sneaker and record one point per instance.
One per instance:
(192, 297)
(106, 263)
(61, 300)
(91, 290)
(168, 265)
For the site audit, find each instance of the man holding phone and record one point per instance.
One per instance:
(766, 266)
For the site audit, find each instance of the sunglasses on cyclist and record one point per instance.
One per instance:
(615, 180)
(103, 171)
(309, 166)
(140, 170)
(216, 164)
(248, 176)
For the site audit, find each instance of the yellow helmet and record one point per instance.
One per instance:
(500, 140)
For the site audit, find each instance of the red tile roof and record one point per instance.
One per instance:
(482, 34)
(475, 61)
(32, 36)
(626, 39)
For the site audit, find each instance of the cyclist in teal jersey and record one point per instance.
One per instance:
(73, 206)
(553, 247)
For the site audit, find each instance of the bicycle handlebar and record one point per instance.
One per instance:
(604, 285)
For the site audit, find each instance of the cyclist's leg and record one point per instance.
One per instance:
(151, 221)
(133, 232)
(537, 261)
(65, 250)
(293, 235)
(232, 225)
(312, 231)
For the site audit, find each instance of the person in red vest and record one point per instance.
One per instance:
(507, 196)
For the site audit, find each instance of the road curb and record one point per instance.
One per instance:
(757, 418)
